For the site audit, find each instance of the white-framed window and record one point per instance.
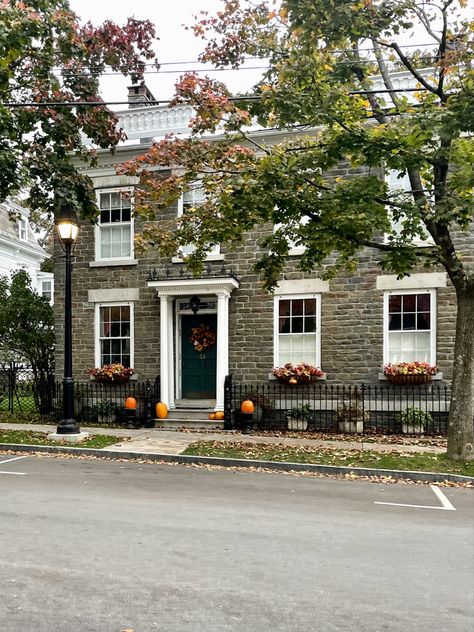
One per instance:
(47, 290)
(410, 326)
(23, 229)
(297, 330)
(195, 196)
(114, 337)
(114, 231)
(294, 249)
(399, 183)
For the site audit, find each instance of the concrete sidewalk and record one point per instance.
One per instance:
(156, 441)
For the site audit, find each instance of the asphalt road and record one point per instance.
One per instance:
(105, 546)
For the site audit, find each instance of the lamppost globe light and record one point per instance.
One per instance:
(67, 232)
(67, 225)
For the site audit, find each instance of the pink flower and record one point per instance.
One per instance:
(410, 368)
(297, 370)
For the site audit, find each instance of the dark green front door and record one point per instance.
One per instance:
(198, 368)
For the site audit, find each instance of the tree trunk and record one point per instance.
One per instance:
(461, 414)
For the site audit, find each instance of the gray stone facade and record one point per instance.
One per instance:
(351, 311)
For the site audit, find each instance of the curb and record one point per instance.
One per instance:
(284, 466)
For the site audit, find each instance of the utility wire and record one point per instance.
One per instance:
(341, 62)
(199, 61)
(15, 104)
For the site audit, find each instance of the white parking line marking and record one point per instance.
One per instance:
(15, 458)
(446, 505)
(444, 501)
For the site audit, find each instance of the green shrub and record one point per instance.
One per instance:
(415, 417)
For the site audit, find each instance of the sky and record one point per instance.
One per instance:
(175, 43)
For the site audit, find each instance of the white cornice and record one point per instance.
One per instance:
(183, 287)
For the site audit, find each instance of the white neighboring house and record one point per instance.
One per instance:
(19, 248)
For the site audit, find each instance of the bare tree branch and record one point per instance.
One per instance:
(409, 66)
(384, 72)
(421, 14)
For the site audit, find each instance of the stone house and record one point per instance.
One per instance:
(19, 248)
(142, 311)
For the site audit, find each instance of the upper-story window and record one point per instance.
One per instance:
(297, 329)
(23, 229)
(295, 248)
(190, 199)
(410, 326)
(399, 186)
(114, 233)
(47, 290)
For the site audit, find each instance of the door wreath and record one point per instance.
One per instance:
(202, 338)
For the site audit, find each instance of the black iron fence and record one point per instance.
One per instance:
(312, 407)
(320, 407)
(21, 391)
(102, 404)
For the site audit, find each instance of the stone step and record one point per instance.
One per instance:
(197, 424)
(190, 413)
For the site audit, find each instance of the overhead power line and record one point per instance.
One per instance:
(253, 57)
(256, 97)
(158, 71)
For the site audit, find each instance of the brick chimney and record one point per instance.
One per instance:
(139, 96)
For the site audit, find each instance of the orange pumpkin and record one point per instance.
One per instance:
(220, 415)
(131, 403)
(161, 410)
(212, 416)
(247, 406)
(292, 380)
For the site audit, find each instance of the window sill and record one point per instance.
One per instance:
(208, 258)
(296, 252)
(113, 262)
(435, 378)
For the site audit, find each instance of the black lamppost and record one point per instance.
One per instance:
(67, 226)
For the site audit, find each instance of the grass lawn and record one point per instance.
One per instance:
(20, 404)
(31, 437)
(393, 460)
(34, 418)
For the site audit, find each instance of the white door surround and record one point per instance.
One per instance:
(170, 289)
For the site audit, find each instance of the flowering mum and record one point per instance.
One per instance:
(302, 370)
(410, 368)
(111, 373)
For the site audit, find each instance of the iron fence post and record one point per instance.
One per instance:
(11, 374)
(149, 422)
(228, 387)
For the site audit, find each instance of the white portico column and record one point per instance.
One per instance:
(164, 350)
(222, 367)
(171, 389)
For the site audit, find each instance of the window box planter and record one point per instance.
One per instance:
(409, 372)
(300, 379)
(297, 373)
(409, 379)
(115, 380)
(111, 374)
